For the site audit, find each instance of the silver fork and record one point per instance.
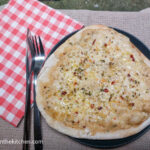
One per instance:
(38, 59)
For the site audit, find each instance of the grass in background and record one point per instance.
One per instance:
(114, 5)
(2, 2)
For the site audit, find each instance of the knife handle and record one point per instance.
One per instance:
(27, 117)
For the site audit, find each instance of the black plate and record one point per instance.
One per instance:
(116, 142)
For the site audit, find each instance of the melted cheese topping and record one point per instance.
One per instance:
(99, 84)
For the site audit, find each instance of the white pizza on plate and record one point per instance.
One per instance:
(96, 85)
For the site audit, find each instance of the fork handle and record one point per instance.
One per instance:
(38, 145)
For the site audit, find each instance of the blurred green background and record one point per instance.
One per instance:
(114, 5)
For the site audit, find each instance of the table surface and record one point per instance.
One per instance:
(113, 5)
(136, 23)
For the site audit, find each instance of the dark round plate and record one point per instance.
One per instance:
(116, 142)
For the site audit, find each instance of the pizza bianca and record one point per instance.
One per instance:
(96, 85)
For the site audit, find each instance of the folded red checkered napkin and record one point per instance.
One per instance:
(15, 18)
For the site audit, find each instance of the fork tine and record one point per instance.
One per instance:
(36, 45)
(33, 43)
(41, 46)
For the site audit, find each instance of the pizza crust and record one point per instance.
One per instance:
(84, 133)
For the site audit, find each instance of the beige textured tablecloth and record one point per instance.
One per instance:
(136, 23)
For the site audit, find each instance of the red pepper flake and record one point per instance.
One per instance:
(129, 75)
(131, 80)
(131, 104)
(94, 42)
(111, 95)
(75, 73)
(79, 77)
(63, 93)
(113, 82)
(100, 108)
(76, 112)
(76, 101)
(92, 106)
(132, 46)
(106, 90)
(132, 57)
(105, 45)
(75, 83)
(121, 97)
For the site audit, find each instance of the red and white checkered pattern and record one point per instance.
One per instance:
(15, 18)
